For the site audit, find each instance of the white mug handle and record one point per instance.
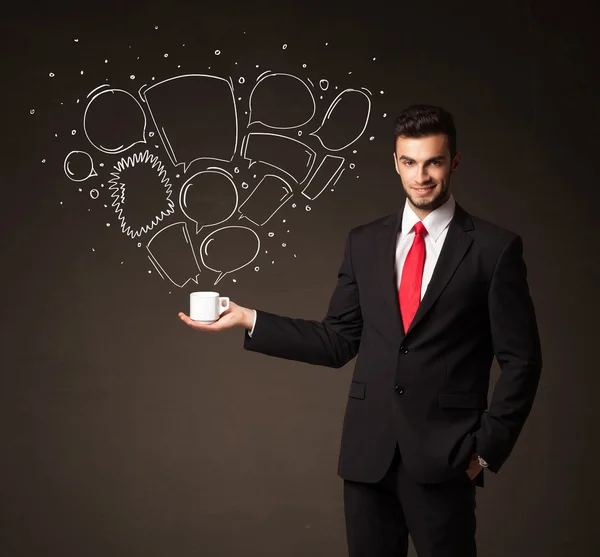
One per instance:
(223, 308)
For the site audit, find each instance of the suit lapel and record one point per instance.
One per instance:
(455, 247)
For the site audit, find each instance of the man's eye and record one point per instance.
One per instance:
(436, 163)
(407, 163)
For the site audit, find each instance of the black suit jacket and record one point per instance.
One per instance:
(426, 388)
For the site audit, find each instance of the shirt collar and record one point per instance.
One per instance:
(435, 222)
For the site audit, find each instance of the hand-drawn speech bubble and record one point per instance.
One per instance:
(345, 120)
(266, 199)
(229, 249)
(79, 166)
(171, 252)
(114, 121)
(281, 101)
(208, 197)
(195, 116)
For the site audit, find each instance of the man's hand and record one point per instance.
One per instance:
(474, 467)
(235, 316)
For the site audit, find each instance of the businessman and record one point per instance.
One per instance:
(425, 298)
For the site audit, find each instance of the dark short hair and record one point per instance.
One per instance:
(421, 120)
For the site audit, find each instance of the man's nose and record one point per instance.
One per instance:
(421, 176)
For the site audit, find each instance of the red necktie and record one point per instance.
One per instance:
(409, 293)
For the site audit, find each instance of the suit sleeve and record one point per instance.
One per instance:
(517, 348)
(331, 342)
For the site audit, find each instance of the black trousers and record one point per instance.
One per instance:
(440, 518)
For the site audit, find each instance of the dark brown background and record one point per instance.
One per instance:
(125, 433)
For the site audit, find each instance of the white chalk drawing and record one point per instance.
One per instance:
(79, 166)
(229, 249)
(172, 254)
(328, 170)
(271, 193)
(195, 116)
(288, 155)
(209, 197)
(114, 120)
(346, 112)
(295, 104)
(151, 186)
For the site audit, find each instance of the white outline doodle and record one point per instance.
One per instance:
(186, 186)
(159, 267)
(262, 78)
(206, 242)
(340, 161)
(309, 164)
(68, 170)
(118, 190)
(288, 193)
(163, 135)
(121, 148)
(329, 112)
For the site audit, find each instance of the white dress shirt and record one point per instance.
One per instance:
(436, 223)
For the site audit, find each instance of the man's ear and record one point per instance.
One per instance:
(456, 161)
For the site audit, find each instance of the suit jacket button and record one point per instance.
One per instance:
(404, 349)
(398, 389)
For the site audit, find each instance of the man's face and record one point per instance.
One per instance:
(424, 166)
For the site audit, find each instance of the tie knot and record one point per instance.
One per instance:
(420, 228)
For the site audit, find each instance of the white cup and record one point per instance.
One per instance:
(207, 307)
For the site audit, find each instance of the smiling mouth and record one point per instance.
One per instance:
(423, 190)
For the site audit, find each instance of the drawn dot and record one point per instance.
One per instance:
(139, 244)
(151, 134)
(241, 79)
(304, 65)
(326, 44)
(271, 234)
(381, 92)
(81, 72)
(374, 59)
(179, 66)
(324, 84)
(156, 27)
(106, 61)
(239, 98)
(153, 78)
(149, 271)
(355, 151)
(43, 160)
(217, 52)
(308, 208)
(234, 280)
(244, 185)
(254, 176)
(352, 165)
(108, 224)
(256, 269)
(284, 46)
(55, 135)
(73, 132)
(102, 164)
(76, 40)
(245, 112)
(51, 74)
(371, 138)
(384, 114)
(283, 245)
(300, 132)
(132, 76)
(32, 111)
(349, 73)
(293, 205)
(177, 176)
(166, 54)
(93, 249)
(272, 262)
(94, 194)
(283, 220)
(236, 170)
